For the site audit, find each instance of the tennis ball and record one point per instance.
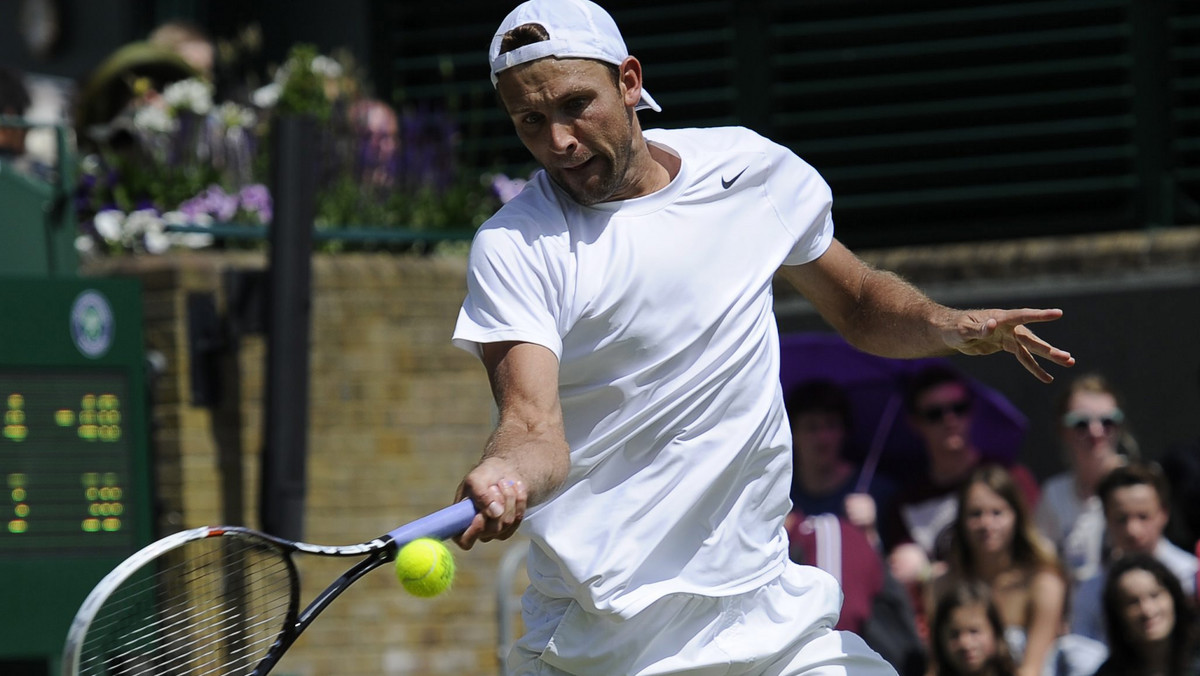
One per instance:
(425, 567)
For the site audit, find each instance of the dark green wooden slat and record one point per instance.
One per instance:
(949, 136)
(435, 62)
(704, 39)
(707, 95)
(980, 162)
(954, 75)
(1186, 84)
(1187, 144)
(955, 46)
(1188, 174)
(663, 70)
(984, 192)
(447, 90)
(684, 10)
(950, 106)
(956, 16)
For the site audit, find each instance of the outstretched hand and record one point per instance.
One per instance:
(979, 332)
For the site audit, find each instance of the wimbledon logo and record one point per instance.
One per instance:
(92, 325)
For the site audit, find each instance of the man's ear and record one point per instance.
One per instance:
(630, 76)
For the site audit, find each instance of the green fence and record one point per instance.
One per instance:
(932, 120)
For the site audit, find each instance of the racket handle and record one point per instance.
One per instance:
(442, 524)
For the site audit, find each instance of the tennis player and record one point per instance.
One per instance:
(622, 307)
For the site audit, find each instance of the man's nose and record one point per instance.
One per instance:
(562, 137)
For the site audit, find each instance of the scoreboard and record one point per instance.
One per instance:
(66, 461)
(75, 489)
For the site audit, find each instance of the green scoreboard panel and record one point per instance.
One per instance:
(74, 467)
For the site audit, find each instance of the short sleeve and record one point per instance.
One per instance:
(804, 204)
(510, 293)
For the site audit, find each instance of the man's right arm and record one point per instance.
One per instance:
(527, 457)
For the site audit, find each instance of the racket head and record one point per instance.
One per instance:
(206, 600)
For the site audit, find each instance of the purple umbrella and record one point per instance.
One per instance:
(875, 387)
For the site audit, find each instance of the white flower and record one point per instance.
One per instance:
(193, 95)
(267, 96)
(141, 222)
(110, 223)
(154, 119)
(157, 242)
(232, 115)
(84, 244)
(326, 67)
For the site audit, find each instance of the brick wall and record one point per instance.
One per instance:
(397, 415)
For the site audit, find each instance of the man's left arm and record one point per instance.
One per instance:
(878, 312)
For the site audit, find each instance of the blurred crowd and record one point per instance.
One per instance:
(971, 566)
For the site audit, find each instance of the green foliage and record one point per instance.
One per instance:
(304, 88)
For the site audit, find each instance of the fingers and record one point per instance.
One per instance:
(1035, 345)
(501, 507)
(1031, 364)
(1005, 329)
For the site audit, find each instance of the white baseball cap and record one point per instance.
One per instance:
(578, 29)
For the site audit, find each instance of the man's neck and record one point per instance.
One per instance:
(950, 469)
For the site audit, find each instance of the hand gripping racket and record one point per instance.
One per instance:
(220, 601)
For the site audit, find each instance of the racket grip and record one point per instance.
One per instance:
(442, 524)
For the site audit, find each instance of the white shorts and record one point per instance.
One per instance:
(781, 629)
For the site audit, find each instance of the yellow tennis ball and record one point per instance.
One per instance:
(425, 567)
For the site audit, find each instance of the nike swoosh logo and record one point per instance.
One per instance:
(727, 184)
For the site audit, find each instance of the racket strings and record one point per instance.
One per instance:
(213, 606)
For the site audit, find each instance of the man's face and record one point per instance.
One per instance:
(943, 419)
(576, 122)
(1136, 519)
(817, 436)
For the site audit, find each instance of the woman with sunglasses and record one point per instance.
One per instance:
(1093, 435)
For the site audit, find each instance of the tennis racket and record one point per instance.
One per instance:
(221, 601)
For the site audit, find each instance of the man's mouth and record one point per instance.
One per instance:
(577, 165)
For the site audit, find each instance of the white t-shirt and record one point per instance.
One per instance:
(659, 309)
(1076, 527)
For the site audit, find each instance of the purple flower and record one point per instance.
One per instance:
(256, 199)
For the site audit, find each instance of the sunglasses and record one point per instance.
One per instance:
(1082, 422)
(935, 414)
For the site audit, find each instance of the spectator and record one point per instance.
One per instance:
(874, 605)
(377, 131)
(1135, 499)
(1091, 426)
(824, 481)
(994, 542)
(189, 41)
(938, 401)
(968, 634)
(14, 102)
(1151, 624)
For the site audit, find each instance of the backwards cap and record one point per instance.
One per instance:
(578, 29)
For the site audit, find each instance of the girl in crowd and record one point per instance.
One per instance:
(995, 543)
(968, 635)
(1150, 622)
(1093, 434)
